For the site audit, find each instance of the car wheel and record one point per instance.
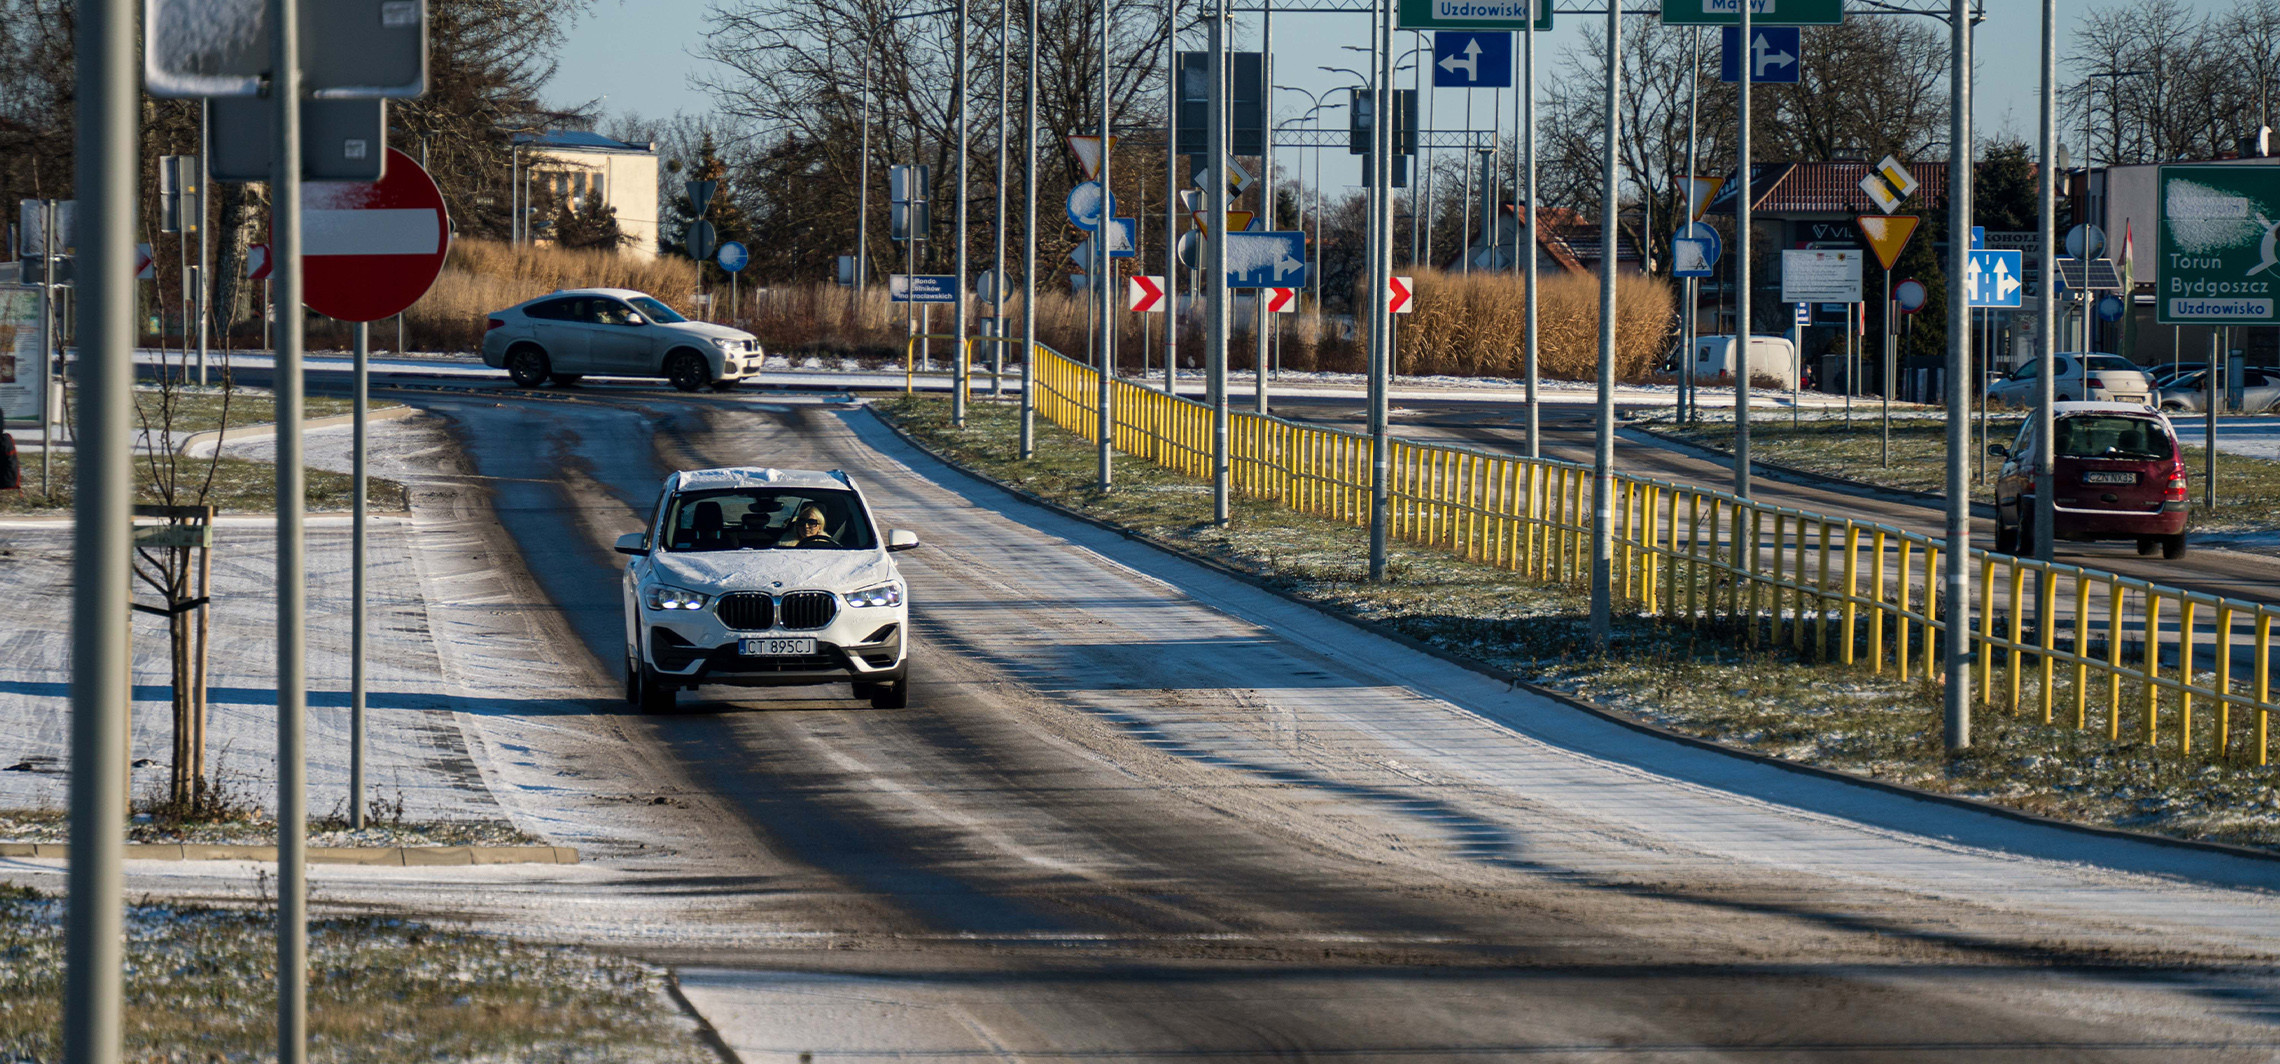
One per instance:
(643, 690)
(528, 366)
(2147, 545)
(2006, 538)
(892, 695)
(2173, 547)
(687, 371)
(568, 378)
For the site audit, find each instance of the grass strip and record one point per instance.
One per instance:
(1697, 680)
(201, 986)
(240, 486)
(2248, 488)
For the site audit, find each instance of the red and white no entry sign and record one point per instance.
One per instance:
(370, 251)
(1144, 293)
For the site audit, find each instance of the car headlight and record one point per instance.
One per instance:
(728, 345)
(667, 597)
(888, 594)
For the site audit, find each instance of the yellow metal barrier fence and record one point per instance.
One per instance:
(2078, 647)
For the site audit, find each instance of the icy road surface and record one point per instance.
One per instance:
(1139, 811)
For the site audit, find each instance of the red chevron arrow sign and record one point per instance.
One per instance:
(1398, 295)
(1144, 294)
(1281, 300)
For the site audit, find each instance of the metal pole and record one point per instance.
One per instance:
(1686, 397)
(997, 264)
(205, 242)
(292, 697)
(1956, 600)
(2046, 294)
(1103, 288)
(108, 106)
(1742, 205)
(2208, 417)
(1171, 198)
(1029, 246)
(1891, 372)
(1528, 316)
(1215, 259)
(1266, 203)
(1603, 445)
(514, 197)
(958, 325)
(359, 463)
(1381, 275)
(863, 176)
(51, 413)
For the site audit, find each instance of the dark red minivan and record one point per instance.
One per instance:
(2118, 471)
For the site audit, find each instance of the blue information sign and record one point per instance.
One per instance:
(1266, 260)
(1992, 278)
(1773, 54)
(922, 288)
(1464, 59)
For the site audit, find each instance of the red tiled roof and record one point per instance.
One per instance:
(1824, 188)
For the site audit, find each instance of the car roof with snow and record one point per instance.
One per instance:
(620, 293)
(2088, 406)
(757, 477)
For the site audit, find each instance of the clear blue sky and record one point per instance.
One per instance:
(637, 54)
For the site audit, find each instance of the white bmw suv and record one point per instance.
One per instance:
(757, 577)
(618, 332)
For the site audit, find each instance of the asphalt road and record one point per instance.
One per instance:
(1141, 812)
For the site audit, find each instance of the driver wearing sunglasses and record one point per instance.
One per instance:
(807, 528)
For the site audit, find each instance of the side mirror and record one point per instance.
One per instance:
(634, 543)
(636, 319)
(1998, 450)
(900, 539)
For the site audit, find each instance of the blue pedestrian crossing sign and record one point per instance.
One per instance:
(1464, 59)
(1694, 251)
(1992, 278)
(1773, 54)
(1266, 260)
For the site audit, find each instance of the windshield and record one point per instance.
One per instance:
(767, 519)
(2095, 436)
(658, 312)
(2110, 364)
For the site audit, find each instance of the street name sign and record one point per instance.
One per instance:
(1993, 279)
(1472, 15)
(1762, 12)
(1772, 54)
(922, 288)
(1266, 260)
(1472, 60)
(1820, 276)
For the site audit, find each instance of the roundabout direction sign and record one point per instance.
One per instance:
(1088, 204)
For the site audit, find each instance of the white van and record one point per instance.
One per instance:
(1770, 356)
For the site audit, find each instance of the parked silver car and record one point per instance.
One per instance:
(568, 334)
(2081, 377)
(2189, 393)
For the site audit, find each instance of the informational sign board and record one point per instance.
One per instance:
(1762, 12)
(1820, 276)
(1246, 103)
(1772, 55)
(2217, 259)
(23, 369)
(1993, 279)
(1472, 60)
(922, 288)
(1472, 15)
(1266, 260)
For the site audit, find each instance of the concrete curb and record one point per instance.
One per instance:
(1596, 710)
(392, 856)
(265, 431)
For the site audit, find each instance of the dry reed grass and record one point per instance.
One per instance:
(1472, 325)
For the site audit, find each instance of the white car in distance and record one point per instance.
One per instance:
(756, 577)
(567, 334)
(2080, 377)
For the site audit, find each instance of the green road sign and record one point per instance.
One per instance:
(1762, 12)
(2215, 262)
(1473, 14)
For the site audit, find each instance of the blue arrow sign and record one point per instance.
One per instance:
(732, 257)
(1266, 260)
(922, 288)
(1468, 60)
(1772, 53)
(1088, 204)
(1992, 278)
(1694, 250)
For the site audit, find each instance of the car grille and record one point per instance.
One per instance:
(810, 609)
(748, 611)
